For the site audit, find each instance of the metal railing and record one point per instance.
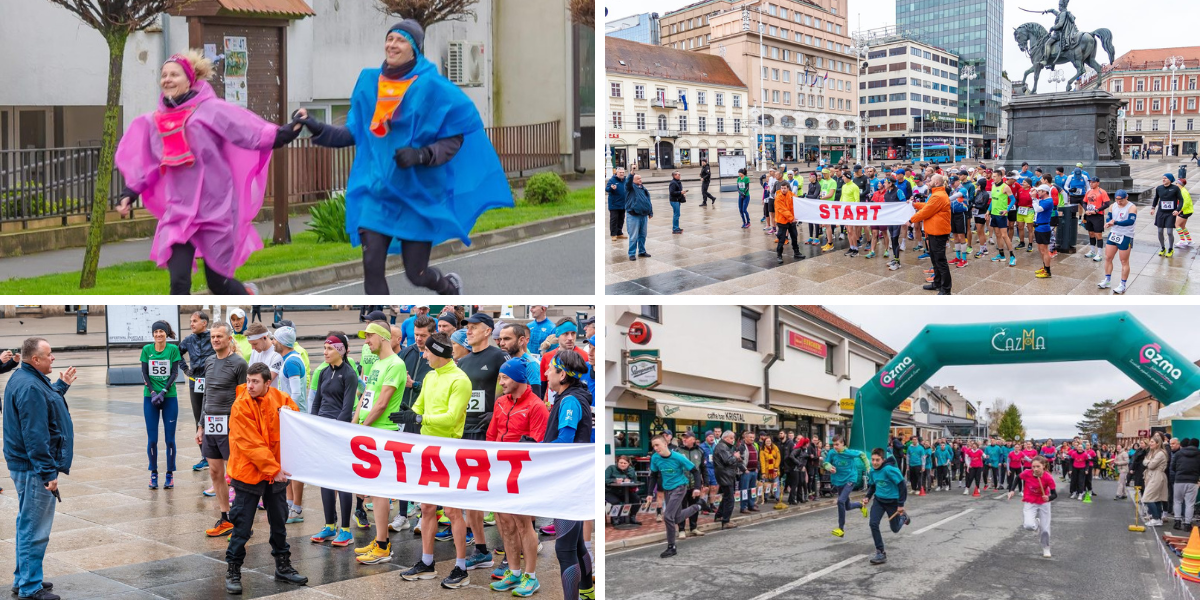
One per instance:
(61, 182)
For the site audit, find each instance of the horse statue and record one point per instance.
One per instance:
(1031, 38)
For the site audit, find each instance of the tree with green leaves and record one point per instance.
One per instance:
(1010, 426)
(115, 20)
(1100, 419)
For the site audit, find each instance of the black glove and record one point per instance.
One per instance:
(286, 134)
(405, 417)
(314, 126)
(410, 157)
(526, 440)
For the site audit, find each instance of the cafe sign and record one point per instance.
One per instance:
(644, 371)
(807, 344)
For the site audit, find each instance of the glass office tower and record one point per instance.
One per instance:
(974, 29)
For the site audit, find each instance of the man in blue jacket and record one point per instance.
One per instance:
(638, 212)
(38, 444)
(615, 188)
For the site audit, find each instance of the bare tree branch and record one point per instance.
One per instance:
(110, 16)
(430, 12)
(583, 12)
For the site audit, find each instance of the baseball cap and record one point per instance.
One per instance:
(376, 315)
(283, 323)
(1122, 194)
(587, 321)
(425, 306)
(482, 318)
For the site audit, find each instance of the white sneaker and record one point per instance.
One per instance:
(1098, 258)
(400, 523)
(682, 534)
(1104, 285)
(967, 492)
(1120, 289)
(1045, 553)
(1154, 522)
(1090, 253)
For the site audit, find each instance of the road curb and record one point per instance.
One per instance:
(289, 283)
(661, 536)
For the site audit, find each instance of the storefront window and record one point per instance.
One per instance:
(627, 432)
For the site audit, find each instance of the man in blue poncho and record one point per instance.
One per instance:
(424, 169)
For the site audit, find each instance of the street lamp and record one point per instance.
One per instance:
(1172, 64)
(968, 73)
(860, 49)
(1057, 77)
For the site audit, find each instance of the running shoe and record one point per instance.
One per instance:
(894, 265)
(210, 492)
(527, 587)
(870, 254)
(222, 527)
(360, 519)
(981, 253)
(457, 283)
(863, 508)
(414, 510)
(442, 518)
(368, 548)
(501, 571)
(400, 523)
(998, 258)
(961, 263)
(879, 558)
(930, 279)
(970, 250)
(327, 533)
(669, 552)
(923, 255)
(547, 530)
(508, 581)
(294, 516)
(1012, 261)
(419, 571)
(1170, 253)
(370, 506)
(444, 535)
(1104, 284)
(170, 482)
(417, 528)
(827, 247)
(154, 481)
(1162, 252)
(458, 578)
(1042, 274)
(1120, 289)
(1029, 248)
(479, 560)
(251, 289)
(470, 538)
(1045, 553)
(589, 593)
(489, 519)
(838, 533)
(762, 220)
(1098, 258)
(344, 537)
(930, 271)
(200, 466)
(375, 555)
(1020, 245)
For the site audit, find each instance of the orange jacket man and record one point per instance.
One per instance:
(936, 214)
(257, 474)
(785, 217)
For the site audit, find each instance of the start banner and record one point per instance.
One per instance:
(542, 480)
(852, 213)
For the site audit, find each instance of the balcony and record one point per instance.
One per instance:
(664, 104)
(666, 133)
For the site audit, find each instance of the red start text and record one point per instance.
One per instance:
(472, 464)
(858, 212)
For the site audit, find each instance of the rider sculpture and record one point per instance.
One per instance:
(1063, 29)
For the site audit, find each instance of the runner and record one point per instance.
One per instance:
(570, 422)
(1038, 492)
(406, 326)
(513, 342)
(414, 132)
(379, 401)
(844, 466)
(263, 351)
(1002, 198)
(943, 455)
(291, 381)
(238, 324)
(333, 397)
(225, 372)
(1167, 201)
(743, 189)
(674, 474)
(1043, 206)
(565, 335)
(200, 166)
(885, 484)
(960, 220)
(257, 474)
(851, 193)
(482, 366)
(1184, 213)
(916, 464)
(198, 347)
(519, 414)
(160, 366)
(829, 191)
(1025, 214)
(973, 458)
(540, 328)
(1119, 241)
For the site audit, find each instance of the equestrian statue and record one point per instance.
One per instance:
(1063, 44)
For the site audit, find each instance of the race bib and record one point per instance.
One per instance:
(199, 385)
(477, 403)
(745, 494)
(368, 398)
(216, 425)
(1168, 205)
(160, 368)
(1116, 238)
(1022, 210)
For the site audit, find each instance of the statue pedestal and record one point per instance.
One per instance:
(1063, 128)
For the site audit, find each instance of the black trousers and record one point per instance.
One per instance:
(943, 476)
(725, 511)
(180, 268)
(798, 480)
(688, 500)
(242, 512)
(328, 500)
(197, 405)
(416, 264)
(785, 230)
(941, 268)
(616, 222)
(1077, 480)
(914, 477)
(704, 195)
(975, 475)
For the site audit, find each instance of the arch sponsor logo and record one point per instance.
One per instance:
(1016, 341)
(1152, 359)
(899, 372)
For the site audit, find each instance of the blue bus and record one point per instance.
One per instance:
(941, 153)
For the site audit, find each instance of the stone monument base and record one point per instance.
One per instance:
(1063, 128)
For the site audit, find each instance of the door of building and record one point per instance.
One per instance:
(666, 155)
(643, 158)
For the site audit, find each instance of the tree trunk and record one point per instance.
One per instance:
(108, 147)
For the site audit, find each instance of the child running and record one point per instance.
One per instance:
(1039, 492)
(674, 472)
(886, 486)
(973, 456)
(844, 466)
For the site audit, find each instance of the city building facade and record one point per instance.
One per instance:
(642, 28)
(1137, 416)
(671, 108)
(1162, 108)
(799, 69)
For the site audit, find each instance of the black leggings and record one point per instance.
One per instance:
(416, 264)
(180, 268)
(574, 566)
(1077, 480)
(327, 502)
(914, 477)
(974, 474)
(197, 406)
(1014, 481)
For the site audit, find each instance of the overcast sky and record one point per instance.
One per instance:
(1145, 27)
(1051, 396)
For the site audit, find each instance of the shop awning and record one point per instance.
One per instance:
(704, 408)
(816, 414)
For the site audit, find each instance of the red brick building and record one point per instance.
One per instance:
(1138, 77)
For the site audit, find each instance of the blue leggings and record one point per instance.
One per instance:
(170, 415)
(574, 566)
(744, 208)
(844, 504)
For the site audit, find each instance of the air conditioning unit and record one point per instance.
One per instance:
(464, 63)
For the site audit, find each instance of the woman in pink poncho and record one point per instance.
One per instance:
(200, 166)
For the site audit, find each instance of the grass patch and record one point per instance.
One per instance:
(305, 252)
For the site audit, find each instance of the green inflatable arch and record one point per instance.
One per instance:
(1118, 338)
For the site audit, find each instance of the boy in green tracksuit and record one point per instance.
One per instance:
(674, 473)
(886, 487)
(846, 467)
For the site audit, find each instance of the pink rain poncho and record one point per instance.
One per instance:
(213, 201)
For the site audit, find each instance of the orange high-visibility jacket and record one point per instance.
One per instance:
(783, 205)
(254, 435)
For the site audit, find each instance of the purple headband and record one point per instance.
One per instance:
(182, 61)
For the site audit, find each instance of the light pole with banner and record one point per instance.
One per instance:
(1172, 64)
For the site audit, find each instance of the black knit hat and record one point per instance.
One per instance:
(413, 29)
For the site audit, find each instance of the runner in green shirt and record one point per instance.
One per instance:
(828, 191)
(852, 193)
(160, 366)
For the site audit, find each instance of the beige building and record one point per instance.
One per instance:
(802, 89)
(1136, 415)
(668, 108)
